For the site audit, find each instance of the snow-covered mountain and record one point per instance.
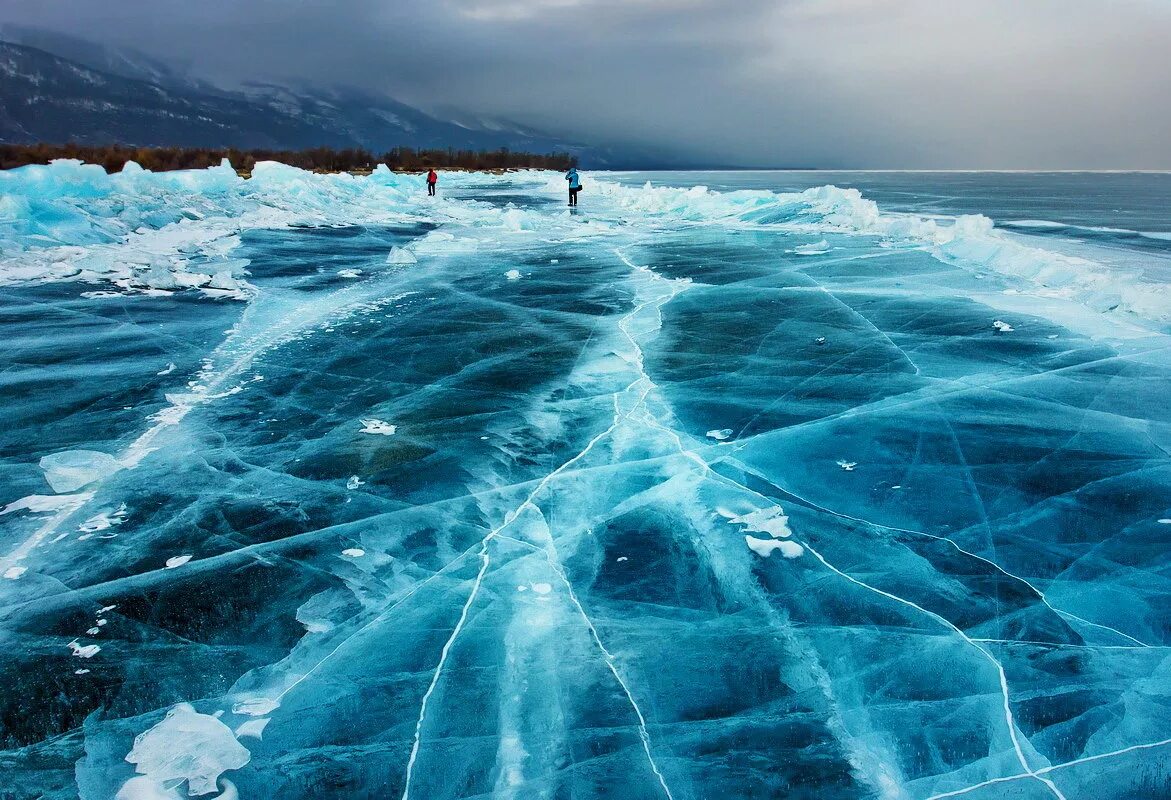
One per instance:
(58, 88)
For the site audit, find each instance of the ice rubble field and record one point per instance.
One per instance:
(313, 487)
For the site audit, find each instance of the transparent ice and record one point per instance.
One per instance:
(684, 494)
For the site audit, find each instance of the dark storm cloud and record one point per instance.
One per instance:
(866, 83)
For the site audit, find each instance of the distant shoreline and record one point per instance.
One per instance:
(113, 158)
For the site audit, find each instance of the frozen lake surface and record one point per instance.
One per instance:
(316, 487)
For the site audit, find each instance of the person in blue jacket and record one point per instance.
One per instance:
(574, 185)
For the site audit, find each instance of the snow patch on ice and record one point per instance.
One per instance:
(84, 651)
(177, 561)
(12, 573)
(766, 520)
(765, 547)
(104, 520)
(377, 427)
(542, 588)
(720, 435)
(43, 503)
(513, 275)
(353, 552)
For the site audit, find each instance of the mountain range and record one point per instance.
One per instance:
(56, 88)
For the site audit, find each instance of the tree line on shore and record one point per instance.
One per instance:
(318, 159)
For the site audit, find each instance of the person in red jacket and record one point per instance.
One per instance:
(432, 179)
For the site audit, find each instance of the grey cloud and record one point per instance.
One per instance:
(841, 83)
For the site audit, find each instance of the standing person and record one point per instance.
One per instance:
(574, 185)
(432, 179)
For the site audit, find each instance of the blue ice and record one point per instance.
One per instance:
(315, 486)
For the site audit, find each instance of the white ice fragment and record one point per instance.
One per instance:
(513, 274)
(73, 469)
(377, 427)
(104, 609)
(81, 672)
(223, 280)
(1165, 521)
(819, 340)
(188, 746)
(353, 552)
(93, 631)
(554, 261)
(848, 466)
(400, 256)
(167, 370)
(177, 561)
(103, 520)
(12, 573)
(1002, 326)
(253, 728)
(522, 588)
(765, 547)
(812, 249)
(620, 559)
(84, 651)
(354, 482)
(256, 706)
(542, 588)
(720, 435)
(101, 623)
(349, 273)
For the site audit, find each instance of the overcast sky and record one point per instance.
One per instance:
(830, 83)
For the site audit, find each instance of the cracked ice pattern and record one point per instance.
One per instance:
(539, 585)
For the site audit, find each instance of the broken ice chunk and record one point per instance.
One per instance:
(349, 273)
(377, 427)
(72, 469)
(354, 482)
(167, 370)
(253, 728)
(1002, 326)
(848, 466)
(812, 249)
(187, 746)
(720, 435)
(12, 573)
(401, 256)
(513, 274)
